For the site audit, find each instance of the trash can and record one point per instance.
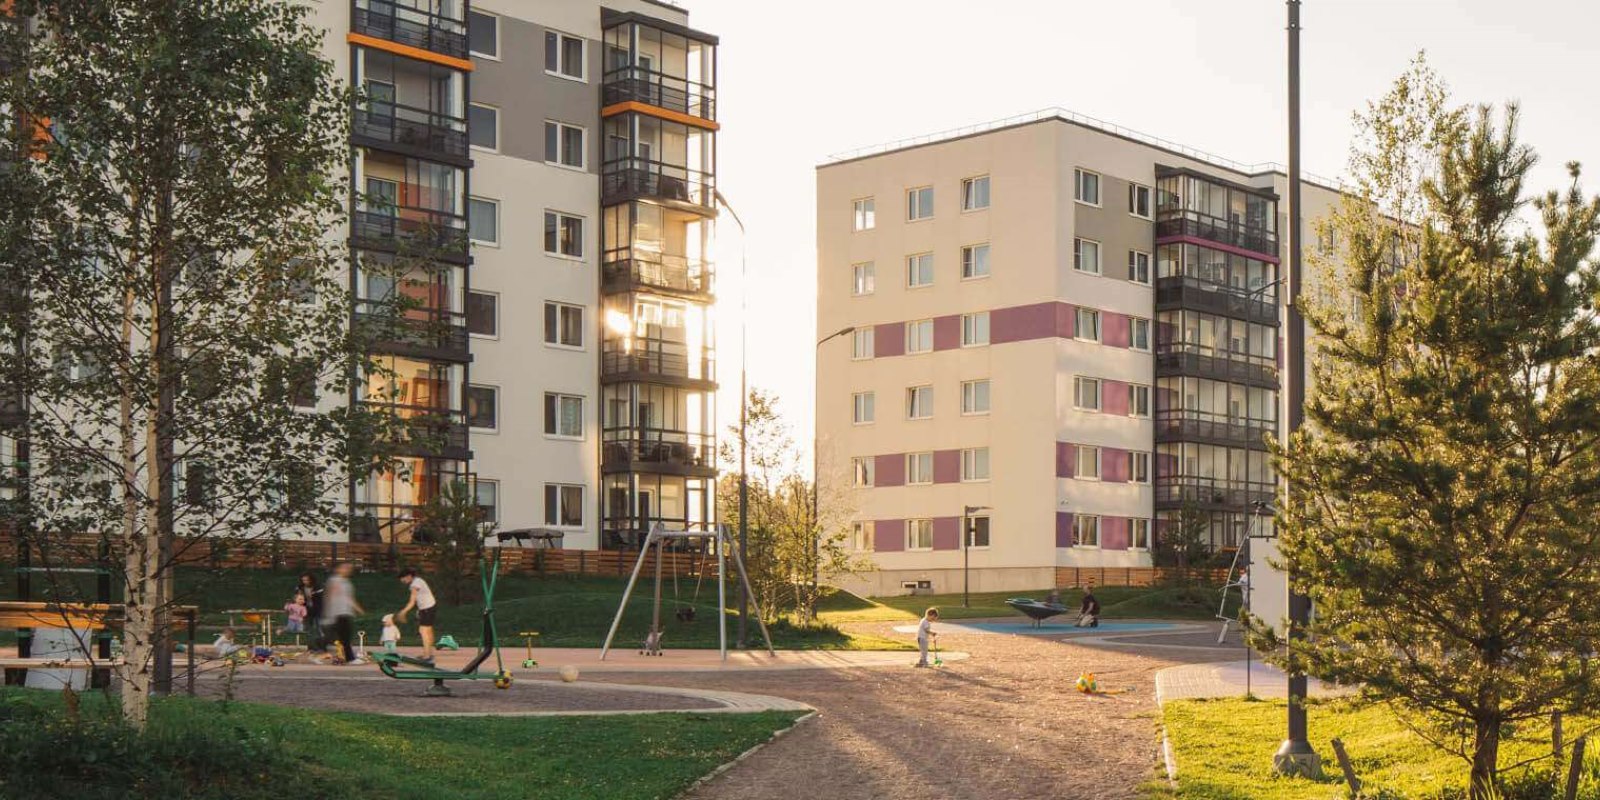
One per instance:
(60, 643)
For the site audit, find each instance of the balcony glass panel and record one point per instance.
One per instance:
(410, 204)
(659, 68)
(425, 394)
(410, 104)
(1190, 206)
(649, 157)
(388, 504)
(437, 26)
(652, 336)
(633, 502)
(421, 300)
(656, 247)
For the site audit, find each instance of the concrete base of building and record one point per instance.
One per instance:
(889, 582)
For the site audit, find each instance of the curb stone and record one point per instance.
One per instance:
(715, 773)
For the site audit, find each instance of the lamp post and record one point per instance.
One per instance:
(816, 440)
(744, 421)
(966, 561)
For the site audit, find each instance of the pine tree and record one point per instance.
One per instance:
(1445, 493)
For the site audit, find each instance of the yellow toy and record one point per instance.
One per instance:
(1086, 683)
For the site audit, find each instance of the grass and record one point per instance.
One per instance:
(1125, 602)
(364, 755)
(1224, 752)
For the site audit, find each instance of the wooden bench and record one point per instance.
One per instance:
(16, 614)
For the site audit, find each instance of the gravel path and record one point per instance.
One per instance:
(1004, 724)
(382, 695)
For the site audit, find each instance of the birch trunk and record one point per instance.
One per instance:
(141, 559)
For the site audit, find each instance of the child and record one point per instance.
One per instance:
(295, 612)
(225, 645)
(391, 634)
(924, 633)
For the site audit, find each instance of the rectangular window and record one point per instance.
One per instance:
(483, 126)
(861, 536)
(483, 314)
(1139, 534)
(975, 193)
(862, 343)
(563, 55)
(864, 215)
(1086, 324)
(1088, 463)
(919, 270)
(1086, 256)
(1139, 267)
(483, 220)
(975, 397)
(1086, 393)
(975, 329)
(1139, 200)
(563, 505)
(563, 234)
(564, 144)
(482, 404)
(1139, 334)
(1138, 400)
(975, 261)
(864, 471)
(863, 410)
(977, 531)
(919, 336)
(975, 464)
(1086, 186)
(863, 278)
(1139, 467)
(563, 325)
(483, 34)
(919, 203)
(919, 402)
(488, 499)
(1085, 530)
(919, 468)
(919, 534)
(563, 415)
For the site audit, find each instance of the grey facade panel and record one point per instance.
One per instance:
(1114, 228)
(527, 96)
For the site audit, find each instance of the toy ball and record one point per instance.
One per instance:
(568, 673)
(1086, 683)
(277, 662)
(502, 680)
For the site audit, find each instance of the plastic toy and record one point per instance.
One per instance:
(528, 637)
(568, 673)
(446, 642)
(1086, 683)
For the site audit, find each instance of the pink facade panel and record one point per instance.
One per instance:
(1114, 329)
(1113, 465)
(947, 533)
(1021, 323)
(889, 339)
(891, 470)
(1066, 455)
(1063, 529)
(1066, 320)
(946, 332)
(947, 466)
(1114, 398)
(1114, 533)
(889, 535)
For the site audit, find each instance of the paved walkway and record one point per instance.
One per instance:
(1231, 679)
(587, 660)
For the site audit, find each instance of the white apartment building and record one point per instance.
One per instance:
(1058, 332)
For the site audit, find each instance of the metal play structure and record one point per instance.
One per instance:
(1239, 576)
(722, 540)
(395, 665)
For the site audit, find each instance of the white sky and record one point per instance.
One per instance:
(802, 80)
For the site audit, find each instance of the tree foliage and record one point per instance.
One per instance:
(454, 526)
(1445, 491)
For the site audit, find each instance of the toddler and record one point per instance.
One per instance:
(295, 612)
(391, 634)
(926, 632)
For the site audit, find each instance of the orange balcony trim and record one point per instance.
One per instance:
(660, 113)
(408, 51)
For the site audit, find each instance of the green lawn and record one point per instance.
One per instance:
(204, 749)
(1126, 602)
(1224, 752)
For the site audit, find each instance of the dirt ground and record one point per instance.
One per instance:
(386, 696)
(1005, 724)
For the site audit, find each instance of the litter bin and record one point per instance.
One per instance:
(60, 643)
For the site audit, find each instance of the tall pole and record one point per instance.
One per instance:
(966, 560)
(744, 421)
(816, 444)
(1295, 756)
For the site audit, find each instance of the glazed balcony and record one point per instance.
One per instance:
(651, 450)
(641, 85)
(438, 26)
(1183, 292)
(1199, 361)
(1175, 224)
(627, 179)
(626, 270)
(424, 333)
(1211, 493)
(656, 360)
(409, 130)
(415, 232)
(1184, 425)
(431, 431)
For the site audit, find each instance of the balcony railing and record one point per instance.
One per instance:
(12, 408)
(655, 358)
(628, 178)
(1181, 291)
(1178, 358)
(625, 270)
(430, 333)
(1178, 424)
(413, 129)
(658, 89)
(419, 232)
(433, 430)
(1215, 229)
(404, 23)
(1211, 493)
(627, 449)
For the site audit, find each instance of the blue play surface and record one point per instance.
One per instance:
(1046, 629)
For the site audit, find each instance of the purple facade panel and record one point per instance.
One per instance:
(1114, 398)
(891, 470)
(947, 466)
(1114, 533)
(947, 533)
(1066, 464)
(946, 332)
(1063, 529)
(1114, 329)
(1021, 323)
(1113, 465)
(889, 535)
(889, 339)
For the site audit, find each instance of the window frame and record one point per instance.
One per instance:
(916, 325)
(863, 214)
(495, 56)
(495, 322)
(912, 538)
(972, 182)
(867, 270)
(866, 335)
(1078, 175)
(969, 258)
(495, 242)
(1134, 525)
(856, 407)
(1133, 404)
(970, 475)
(970, 535)
(553, 516)
(916, 258)
(1078, 382)
(1149, 197)
(1093, 314)
(1078, 528)
(477, 499)
(974, 411)
(863, 472)
(583, 416)
(1135, 458)
(916, 477)
(1077, 256)
(583, 234)
(561, 309)
(911, 404)
(914, 204)
(494, 391)
(1133, 337)
(1133, 259)
(583, 149)
(481, 148)
(1078, 460)
(583, 57)
(973, 321)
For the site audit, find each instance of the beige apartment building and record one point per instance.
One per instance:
(1053, 338)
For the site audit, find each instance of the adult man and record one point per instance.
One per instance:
(423, 601)
(1089, 609)
(339, 610)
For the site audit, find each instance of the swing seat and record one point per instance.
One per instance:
(685, 614)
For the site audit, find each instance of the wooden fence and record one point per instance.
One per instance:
(1070, 577)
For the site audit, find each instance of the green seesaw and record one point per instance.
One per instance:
(395, 665)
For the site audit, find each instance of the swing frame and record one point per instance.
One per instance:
(725, 543)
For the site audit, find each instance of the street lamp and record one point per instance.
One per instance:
(966, 542)
(744, 421)
(816, 439)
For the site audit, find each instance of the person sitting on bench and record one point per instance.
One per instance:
(1089, 610)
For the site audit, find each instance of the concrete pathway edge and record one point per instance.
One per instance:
(729, 703)
(715, 773)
